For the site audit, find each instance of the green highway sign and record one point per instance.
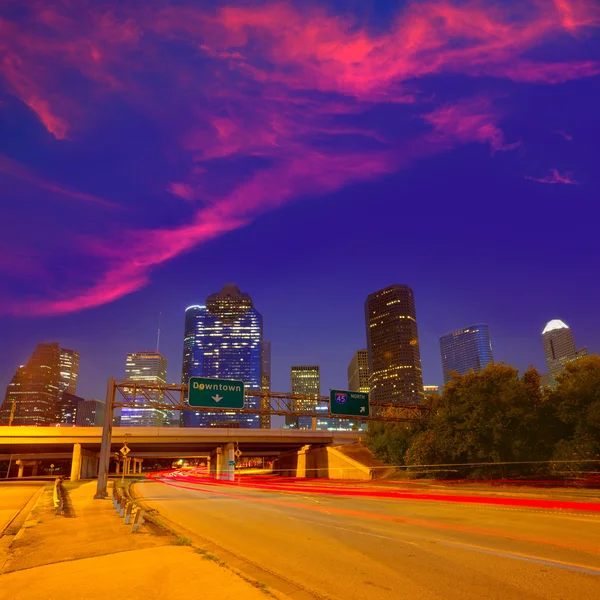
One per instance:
(346, 403)
(216, 393)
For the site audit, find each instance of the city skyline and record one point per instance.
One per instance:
(172, 378)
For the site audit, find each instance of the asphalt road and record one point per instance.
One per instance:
(13, 497)
(351, 548)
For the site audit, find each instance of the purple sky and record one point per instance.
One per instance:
(311, 153)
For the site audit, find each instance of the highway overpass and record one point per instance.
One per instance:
(83, 444)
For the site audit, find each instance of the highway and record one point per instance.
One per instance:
(346, 547)
(14, 495)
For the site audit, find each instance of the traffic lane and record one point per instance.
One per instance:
(552, 535)
(354, 557)
(560, 532)
(13, 497)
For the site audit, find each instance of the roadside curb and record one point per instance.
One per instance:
(244, 568)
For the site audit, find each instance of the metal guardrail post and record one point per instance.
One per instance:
(138, 519)
(128, 511)
(58, 497)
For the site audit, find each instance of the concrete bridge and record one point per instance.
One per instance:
(218, 446)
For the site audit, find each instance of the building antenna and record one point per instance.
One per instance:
(158, 334)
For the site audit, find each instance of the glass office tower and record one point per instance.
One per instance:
(466, 349)
(559, 348)
(223, 340)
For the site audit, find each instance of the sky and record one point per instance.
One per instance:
(309, 152)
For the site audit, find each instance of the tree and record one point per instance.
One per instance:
(576, 402)
(488, 416)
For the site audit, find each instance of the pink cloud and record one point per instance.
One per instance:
(554, 177)
(564, 135)
(473, 120)
(274, 81)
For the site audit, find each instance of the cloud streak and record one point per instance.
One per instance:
(554, 178)
(283, 90)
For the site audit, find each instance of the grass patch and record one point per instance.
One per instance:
(181, 541)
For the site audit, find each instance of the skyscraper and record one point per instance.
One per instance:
(306, 380)
(358, 372)
(145, 367)
(559, 347)
(90, 413)
(69, 370)
(223, 340)
(68, 407)
(393, 345)
(466, 349)
(265, 382)
(33, 395)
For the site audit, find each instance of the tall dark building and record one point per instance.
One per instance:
(33, 396)
(393, 345)
(223, 340)
(90, 413)
(466, 349)
(68, 408)
(559, 348)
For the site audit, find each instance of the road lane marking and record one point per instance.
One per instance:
(377, 535)
(559, 564)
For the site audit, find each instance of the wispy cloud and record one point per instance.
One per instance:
(564, 135)
(13, 169)
(285, 86)
(555, 177)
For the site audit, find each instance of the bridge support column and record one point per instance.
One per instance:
(21, 468)
(228, 463)
(301, 464)
(140, 465)
(215, 462)
(76, 463)
(118, 471)
(34, 471)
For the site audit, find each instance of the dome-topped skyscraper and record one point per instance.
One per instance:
(559, 347)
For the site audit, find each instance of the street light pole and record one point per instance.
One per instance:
(104, 461)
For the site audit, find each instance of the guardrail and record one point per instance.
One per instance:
(127, 509)
(58, 496)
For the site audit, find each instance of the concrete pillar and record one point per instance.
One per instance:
(140, 465)
(95, 465)
(126, 465)
(118, 471)
(85, 466)
(228, 472)
(21, 468)
(76, 463)
(34, 471)
(301, 464)
(219, 462)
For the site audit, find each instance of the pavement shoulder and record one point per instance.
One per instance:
(89, 553)
(165, 572)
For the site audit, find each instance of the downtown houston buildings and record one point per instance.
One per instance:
(35, 394)
(465, 350)
(393, 347)
(559, 348)
(223, 340)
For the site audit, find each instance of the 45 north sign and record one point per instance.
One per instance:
(343, 402)
(216, 393)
